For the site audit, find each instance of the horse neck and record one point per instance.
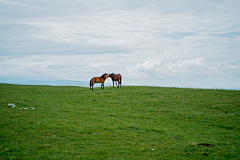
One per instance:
(104, 77)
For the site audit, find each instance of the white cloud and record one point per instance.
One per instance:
(232, 71)
(26, 70)
(235, 66)
(193, 68)
(67, 67)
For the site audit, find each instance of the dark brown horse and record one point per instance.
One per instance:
(98, 80)
(116, 78)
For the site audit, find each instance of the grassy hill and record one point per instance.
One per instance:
(61, 122)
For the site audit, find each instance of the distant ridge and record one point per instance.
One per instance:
(57, 83)
(54, 83)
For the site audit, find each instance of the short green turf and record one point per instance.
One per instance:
(132, 122)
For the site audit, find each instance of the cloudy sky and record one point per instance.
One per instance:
(150, 42)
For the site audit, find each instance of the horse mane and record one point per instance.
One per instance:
(103, 75)
(111, 74)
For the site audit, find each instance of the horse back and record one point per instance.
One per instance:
(116, 77)
(97, 79)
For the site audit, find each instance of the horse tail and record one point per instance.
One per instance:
(90, 84)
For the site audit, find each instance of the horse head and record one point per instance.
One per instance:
(110, 75)
(105, 75)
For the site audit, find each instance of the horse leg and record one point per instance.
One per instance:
(102, 85)
(113, 84)
(117, 84)
(93, 85)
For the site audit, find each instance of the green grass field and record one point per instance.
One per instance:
(132, 122)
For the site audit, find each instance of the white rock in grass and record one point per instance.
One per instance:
(11, 105)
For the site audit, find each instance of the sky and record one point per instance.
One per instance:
(149, 42)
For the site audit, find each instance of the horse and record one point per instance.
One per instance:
(116, 78)
(98, 80)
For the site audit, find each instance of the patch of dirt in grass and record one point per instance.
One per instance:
(203, 144)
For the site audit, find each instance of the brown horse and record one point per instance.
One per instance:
(98, 80)
(116, 78)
